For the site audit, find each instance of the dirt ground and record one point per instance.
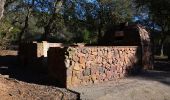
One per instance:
(25, 83)
(151, 85)
(11, 89)
(21, 83)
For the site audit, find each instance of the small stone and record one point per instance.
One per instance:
(93, 70)
(83, 66)
(84, 50)
(69, 72)
(77, 67)
(109, 74)
(75, 81)
(94, 53)
(103, 76)
(121, 70)
(104, 62)
(101, 70)
(67, 63)
(75, 58)
(110, 61)
(87, 72)
(88, 63)
(109, 55)
(94, 78)
(69, 80)
(82, 60)
(100, 53)
(99, 60)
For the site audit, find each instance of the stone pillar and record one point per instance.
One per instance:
(45, 48)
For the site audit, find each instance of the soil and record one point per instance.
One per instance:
(24, 83)
(151, 85)
(11, 89)
(27, 83)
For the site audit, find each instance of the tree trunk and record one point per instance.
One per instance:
(162, 45)
(48, 27)
(26, 25)
(2, 3)
(100, 26)
(24, 29)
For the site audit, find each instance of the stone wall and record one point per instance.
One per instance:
(77, 66)
(35, 53)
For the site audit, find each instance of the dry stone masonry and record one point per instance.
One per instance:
(91, 65)
(124, 52)
(35, 53)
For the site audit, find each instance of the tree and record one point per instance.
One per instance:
(2, 3)
(111, 12)
(29, 8)
(159, 12)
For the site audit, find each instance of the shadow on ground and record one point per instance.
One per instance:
(9, 66)
(159, 76)
(162, 65)
(160, 73)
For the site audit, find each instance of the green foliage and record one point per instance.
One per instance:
(63, 20)
(8, 31)
(86, 36)
(159, 13)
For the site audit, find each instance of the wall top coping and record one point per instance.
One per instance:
(98, 47)
(78, 45)
(105, 46)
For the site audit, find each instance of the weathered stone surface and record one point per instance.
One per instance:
(75, 58)
(90, 65)
(76, 67)
(81, 60)
(87, 72)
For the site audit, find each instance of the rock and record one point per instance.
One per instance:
(110, 61)
(109, 75)
(84, 51)
(93, 70)
(67, 63)
(6, 76)
(87, 72)
(76, 67)
(75, 81)
(94, 53)
(81, 60)
(69, 73)
(69, 81)
(75, 58)
(94, 78)
(101, 70)
(103, 76)
(88, 63)
(83, 66)
(109, 55)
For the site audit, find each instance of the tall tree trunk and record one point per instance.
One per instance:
(2, 3)
(100, 26)
(26, 25)
(162, 45)
(24, 29)
(48, 28)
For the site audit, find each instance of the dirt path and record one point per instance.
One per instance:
(152, 85)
